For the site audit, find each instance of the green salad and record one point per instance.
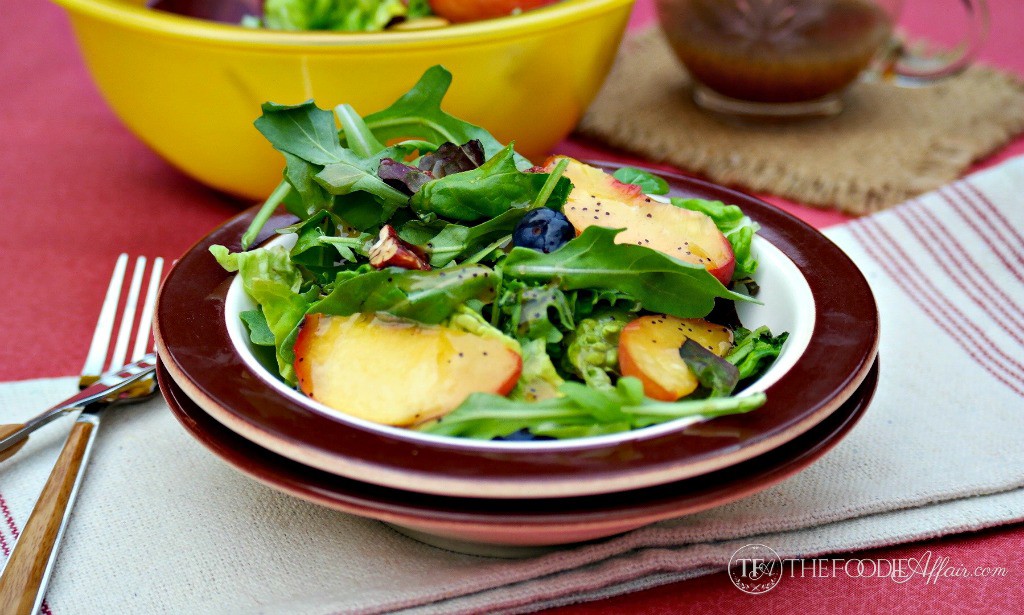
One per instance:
(441, 282)
(337, 15)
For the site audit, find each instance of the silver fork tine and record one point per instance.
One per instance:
(146, 318)
(105, 323)
(124, 333)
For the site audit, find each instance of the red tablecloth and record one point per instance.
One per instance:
(77, 189)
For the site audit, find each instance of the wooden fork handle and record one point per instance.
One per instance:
(26, 572)
(6, 430)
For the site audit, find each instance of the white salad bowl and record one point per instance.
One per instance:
(786, 304)
(808, 288)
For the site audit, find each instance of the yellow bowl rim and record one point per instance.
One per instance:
(177, 26)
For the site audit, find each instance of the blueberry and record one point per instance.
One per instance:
(523, 435)
(544, 230)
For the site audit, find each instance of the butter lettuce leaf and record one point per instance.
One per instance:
(271, 279)
(337, 15)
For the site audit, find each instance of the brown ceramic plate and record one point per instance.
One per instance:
(831, 348)
(474, 521)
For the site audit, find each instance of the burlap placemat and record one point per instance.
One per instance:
(889, 144)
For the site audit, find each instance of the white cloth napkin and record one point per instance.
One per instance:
(162, 526)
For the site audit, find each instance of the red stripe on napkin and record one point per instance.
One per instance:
(44, 607)
(4, 548)
(946, 305)
(1002, 222)
(967, 267)
(863, 233)
(971, 220)
(7, 517)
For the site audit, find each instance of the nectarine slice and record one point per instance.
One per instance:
(598, 199)
(649, 350)
(397, 372)
(474, 10)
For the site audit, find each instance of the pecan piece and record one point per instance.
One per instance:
(391, 251)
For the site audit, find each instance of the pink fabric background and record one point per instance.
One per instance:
(77, 189)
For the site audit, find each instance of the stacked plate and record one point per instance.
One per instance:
(482, 494)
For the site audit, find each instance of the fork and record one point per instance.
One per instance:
(24, 578)
(13, 437)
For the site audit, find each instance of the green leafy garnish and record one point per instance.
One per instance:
(337, 15)
(649, 183)
(539, 379)
(486, 192)
(417, 114)
(270, 278)
(259, 331)
(580, 411)
(593, 260)
(754, 351)
(593, 349)
(425, 296)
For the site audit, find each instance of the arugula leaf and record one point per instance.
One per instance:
(713, 373)
(352, 173)
(486, 191)
(588, 302)
(419, 233)
(580, 411)
(363, 211)
(348, 246)
(536, 312)
(309, 250)
(593, 260)
(358, 136)
(312, 197)
(425, 296)
(454, 240)
(303, 130)
(737, 227)
(755, 351)
(418, 114)
(320, 169)
(649, 183)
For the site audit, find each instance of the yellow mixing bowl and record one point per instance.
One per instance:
(191, 89)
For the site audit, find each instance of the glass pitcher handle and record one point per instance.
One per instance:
(907, 65)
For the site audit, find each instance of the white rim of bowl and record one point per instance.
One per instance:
(237, 301)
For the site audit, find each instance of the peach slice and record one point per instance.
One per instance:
(598, 199)
(397, 372)
(649, 350)
(474, 10)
